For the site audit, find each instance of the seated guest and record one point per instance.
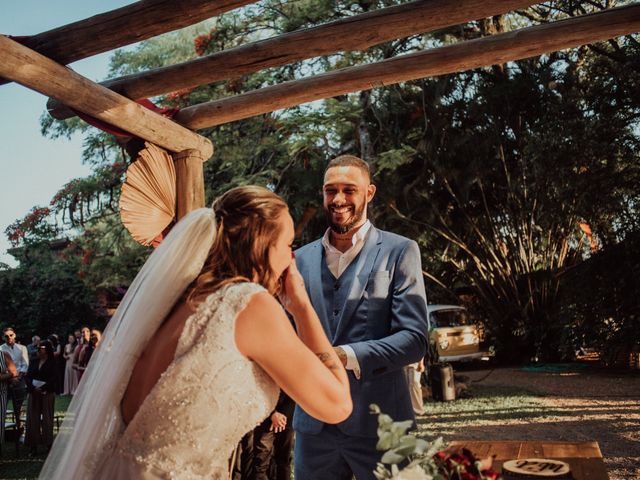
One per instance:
(42, 379)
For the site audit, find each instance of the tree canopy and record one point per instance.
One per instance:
(507, 176)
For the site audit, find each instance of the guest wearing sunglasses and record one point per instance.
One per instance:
(17, 389)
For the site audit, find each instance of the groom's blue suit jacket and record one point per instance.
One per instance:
(383, 318)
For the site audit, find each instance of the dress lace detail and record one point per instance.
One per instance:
(202, 405)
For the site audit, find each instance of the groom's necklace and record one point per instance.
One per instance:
(342, 242)
(342, 238)
(337, 238)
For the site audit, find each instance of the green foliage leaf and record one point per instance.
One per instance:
(489, 170)
(395, 158)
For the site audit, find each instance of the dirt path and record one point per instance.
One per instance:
(585, 405)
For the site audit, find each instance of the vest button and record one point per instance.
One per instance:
(336, 312)
(336, 286)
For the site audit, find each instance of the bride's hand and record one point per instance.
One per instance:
(293, 295)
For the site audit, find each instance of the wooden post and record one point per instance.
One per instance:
(189, 181)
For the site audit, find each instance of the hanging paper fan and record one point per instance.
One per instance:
(148, 199)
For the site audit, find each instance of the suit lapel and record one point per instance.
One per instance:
(364, 264)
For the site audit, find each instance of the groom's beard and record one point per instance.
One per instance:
(345, 225)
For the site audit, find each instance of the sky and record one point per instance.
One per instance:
(33, 168)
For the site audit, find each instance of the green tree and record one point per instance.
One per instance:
(45, 294)
(502, 164)
(490, 170)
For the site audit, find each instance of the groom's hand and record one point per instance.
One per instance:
(342, 355)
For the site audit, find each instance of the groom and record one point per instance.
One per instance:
(366, 285)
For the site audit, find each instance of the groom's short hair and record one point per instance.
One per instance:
(350, 161)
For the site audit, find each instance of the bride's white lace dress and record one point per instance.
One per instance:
(202, 405)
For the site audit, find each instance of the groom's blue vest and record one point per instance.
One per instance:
(335, 293)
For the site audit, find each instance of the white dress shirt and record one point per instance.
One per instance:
(337, 262)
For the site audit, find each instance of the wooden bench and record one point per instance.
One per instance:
(584, 458)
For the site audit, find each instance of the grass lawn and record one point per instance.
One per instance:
(23, 466)
(486, 406)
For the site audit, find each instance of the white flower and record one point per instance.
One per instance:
(413, 473)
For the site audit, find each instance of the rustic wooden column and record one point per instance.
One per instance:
(189, 181)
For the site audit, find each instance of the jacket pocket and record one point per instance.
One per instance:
(378, 285)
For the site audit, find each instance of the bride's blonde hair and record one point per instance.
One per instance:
(247, 227)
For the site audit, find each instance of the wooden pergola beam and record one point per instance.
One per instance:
(358, 32)
(124, 26)
(496, 49)
(39, 73)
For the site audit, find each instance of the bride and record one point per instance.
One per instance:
(195, 354)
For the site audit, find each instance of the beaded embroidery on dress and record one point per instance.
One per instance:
(202, 405)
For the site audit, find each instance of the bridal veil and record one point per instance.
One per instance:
(93, 421)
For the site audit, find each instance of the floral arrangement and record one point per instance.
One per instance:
(420, 459)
